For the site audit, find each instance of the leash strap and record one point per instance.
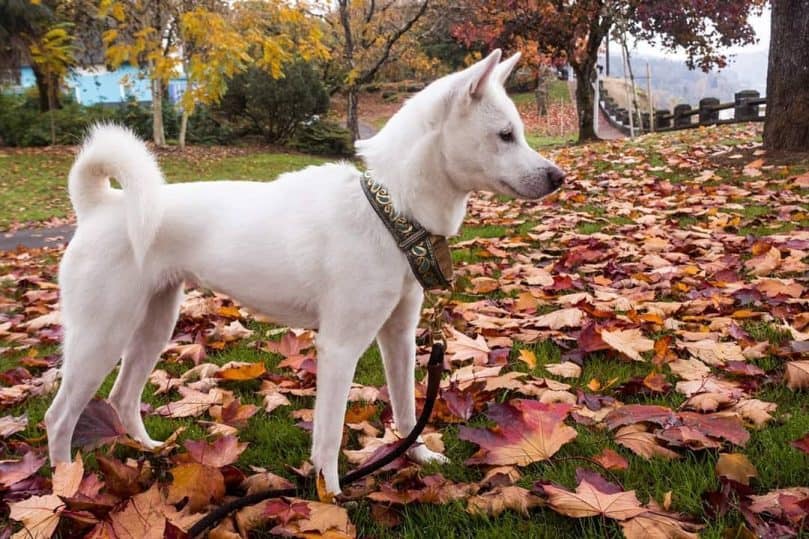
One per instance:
(428, 254)
(435, 369)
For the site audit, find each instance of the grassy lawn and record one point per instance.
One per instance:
(613, 183)
(33, 183)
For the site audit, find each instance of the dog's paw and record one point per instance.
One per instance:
(422, 455)
(148, 443)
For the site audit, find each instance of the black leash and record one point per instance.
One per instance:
(435, 368)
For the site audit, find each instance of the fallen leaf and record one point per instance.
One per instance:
(527, 431)
(588, 501)
(202, 485)
(735, 466)
(494, 502)
(223, 451)
(630, 342)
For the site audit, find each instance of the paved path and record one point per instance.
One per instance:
(36, 237)
(605, 129)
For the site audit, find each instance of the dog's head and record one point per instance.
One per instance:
(483, 140)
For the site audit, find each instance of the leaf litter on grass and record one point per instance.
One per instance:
(673, 331)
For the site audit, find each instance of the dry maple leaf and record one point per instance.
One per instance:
(563, 318)
(67, 477)
(764, 264)
(611, 460)
(566, 369)
(323, 520)
(797, 374)
(202, 485)
(629, 342)
(658, 525)
(193, 403)
(589, 501)
(223, 451)
(464, 348)
(736, 466)
(241, 370)
(12, 471)
(39, 516)
(713, 352)
(527, 431)
(641, 442)
(142, 517)
(11, 425)
(494, 502)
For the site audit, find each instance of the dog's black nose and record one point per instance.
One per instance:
(556, 177)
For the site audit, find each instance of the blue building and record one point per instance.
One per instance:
(99, 85)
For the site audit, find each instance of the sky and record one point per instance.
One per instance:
(761, 24)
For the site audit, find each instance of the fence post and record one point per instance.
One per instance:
(708, 115)
(680, 120)
(743, 111)
(661, 119)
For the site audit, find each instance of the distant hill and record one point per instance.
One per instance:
(673, 82)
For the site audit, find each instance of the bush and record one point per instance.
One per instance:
(257, 103)
(323, 137)
(22, 123)
(205, 128)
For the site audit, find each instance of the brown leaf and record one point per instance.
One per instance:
(797, 375)
(656, 525)
(636, 438)
(11, 425)
(142, 517)
(494, 502)
(67, 477)
(12, 471)
(223, 451)
(39, 516)
(735, 466)
(611, 460)
(588, 501)
(629, 342)
(202, 485)
(98, 425)
(238, 370)
(527, 431)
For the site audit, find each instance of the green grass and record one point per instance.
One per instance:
(33, 185)
(275, 440)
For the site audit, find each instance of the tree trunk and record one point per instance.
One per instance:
(183, 128)
(48, 90)
(787, 123)
(585, 99)
(158, 134)
(352, 122)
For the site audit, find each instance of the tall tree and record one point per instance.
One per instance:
(574, 29)
(787, 123)
(367, 33)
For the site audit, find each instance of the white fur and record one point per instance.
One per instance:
(306, 249)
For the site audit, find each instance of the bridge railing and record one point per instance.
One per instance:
(747, 107)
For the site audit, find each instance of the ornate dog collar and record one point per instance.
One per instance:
(428, 254)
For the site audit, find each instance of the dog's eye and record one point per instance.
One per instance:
(507, 135)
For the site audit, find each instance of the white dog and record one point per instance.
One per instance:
(306, 250)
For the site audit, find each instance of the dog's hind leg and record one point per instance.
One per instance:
(140, 357)
(397, 342)
(93, 342)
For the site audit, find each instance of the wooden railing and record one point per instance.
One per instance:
(746, 108)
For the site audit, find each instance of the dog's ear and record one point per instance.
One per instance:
(505, 67)
(480, 73)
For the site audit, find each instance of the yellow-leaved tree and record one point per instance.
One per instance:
(52, 54)
(366, 35)
(211, 40)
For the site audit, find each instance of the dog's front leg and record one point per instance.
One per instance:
(397, 342)
(339, 346)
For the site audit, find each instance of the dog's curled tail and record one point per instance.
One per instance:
(113, 151)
